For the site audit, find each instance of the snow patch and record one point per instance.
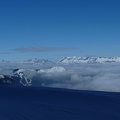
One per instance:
(1, 76)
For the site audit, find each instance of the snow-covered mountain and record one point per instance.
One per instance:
(17, 78)
(4, 61)
(76, 60)
(37, 61)
(25, 77)
(64, 60)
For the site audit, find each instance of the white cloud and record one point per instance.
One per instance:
(41, 49)
(101, 77)
(83, 77)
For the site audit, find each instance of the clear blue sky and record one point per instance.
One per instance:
(52, 29)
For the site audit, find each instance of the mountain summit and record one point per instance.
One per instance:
(37, 61)
(76, 60)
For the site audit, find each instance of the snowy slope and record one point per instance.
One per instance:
(17, 78)
(18, 103)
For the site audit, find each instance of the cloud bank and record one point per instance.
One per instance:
(83, 77)
(95, 77)
(41, 49)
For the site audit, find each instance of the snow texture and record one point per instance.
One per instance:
(27, 103)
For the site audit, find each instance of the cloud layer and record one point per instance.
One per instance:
(100, 77)
(41, 49)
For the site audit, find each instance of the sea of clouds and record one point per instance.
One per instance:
(98, 77)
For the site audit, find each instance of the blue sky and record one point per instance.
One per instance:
(52, 29)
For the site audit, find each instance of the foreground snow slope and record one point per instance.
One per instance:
(27, 103)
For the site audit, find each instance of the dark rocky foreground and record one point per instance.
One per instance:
(28, 103)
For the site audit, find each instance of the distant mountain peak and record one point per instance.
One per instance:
(4, 61)
(37, 61)
(75, 60)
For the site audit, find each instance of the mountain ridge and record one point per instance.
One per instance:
(74, 59)
(67, 60)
